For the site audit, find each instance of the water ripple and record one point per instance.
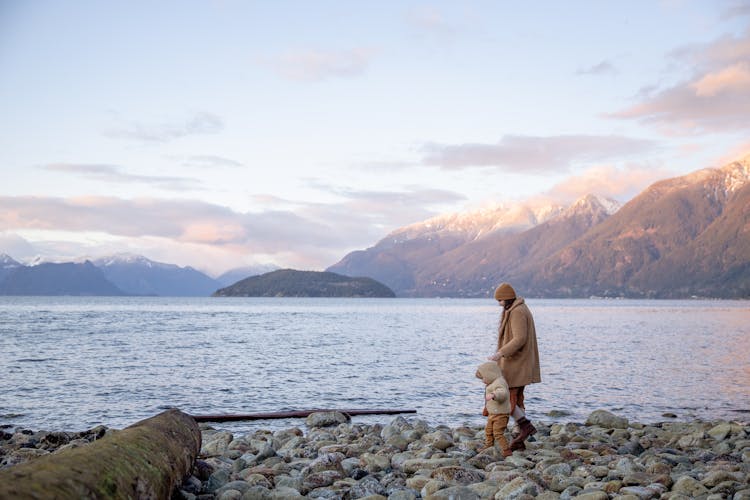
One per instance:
(71, 363)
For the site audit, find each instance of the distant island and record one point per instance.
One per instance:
(293, 283)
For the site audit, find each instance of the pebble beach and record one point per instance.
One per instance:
(330, 456)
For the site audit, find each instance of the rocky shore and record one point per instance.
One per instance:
(331, 457)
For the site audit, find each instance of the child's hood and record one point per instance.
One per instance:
(490, 371)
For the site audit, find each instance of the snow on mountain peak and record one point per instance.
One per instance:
(124, 258)
(8, 262)
(736, 174)
(473, 224)
(590, 201)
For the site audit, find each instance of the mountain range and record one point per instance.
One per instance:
(681, 237)
(122, 274)
(687, 236)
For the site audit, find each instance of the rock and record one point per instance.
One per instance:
(438, 439)
(320, 479)
(641, 492)
(403, 495)
(240, 486)
(689, 486)
(413, 465)
(721, 431)
(229, 495)
(485, 489)
(454, 493)
(281, 482)
(431, 487)
(284, 493)
(692, 440)
(563, 469)
(217, 444)
(569, 492)
(592, 495)
(256, 493)
(605, 419)
(517, 487)
(217, 480)
(456, 474)
(519, 461)
(326, 419)
(631, 448)
(716, 477)
(365, 487)
(374, 463)
(325, 462)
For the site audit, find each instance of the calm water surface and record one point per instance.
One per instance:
(71, 363)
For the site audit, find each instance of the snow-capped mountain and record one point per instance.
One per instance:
(680, 237)
(421, 258)
(7, 262)
(137, 275)
(474, 224)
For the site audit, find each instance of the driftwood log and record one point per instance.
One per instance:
(147, 460)
(290, 414)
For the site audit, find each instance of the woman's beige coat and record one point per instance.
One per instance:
(516, 343)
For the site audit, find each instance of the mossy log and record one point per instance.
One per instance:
(147, 460)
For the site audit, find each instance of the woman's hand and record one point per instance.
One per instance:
(495, 357)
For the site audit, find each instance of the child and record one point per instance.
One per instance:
(497, 406)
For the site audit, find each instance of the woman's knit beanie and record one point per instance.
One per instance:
(505, 292)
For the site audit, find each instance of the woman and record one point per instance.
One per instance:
(517, 355)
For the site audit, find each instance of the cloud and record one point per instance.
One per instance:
(715, 98)
(733, 78)
(115, 174)
(198, 124)
(310, 65)
(15, 246)
(602, 68)
(531, 154)
(619, 183)
(738, 10)
(317, 234)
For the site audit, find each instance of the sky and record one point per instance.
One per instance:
(222, 133)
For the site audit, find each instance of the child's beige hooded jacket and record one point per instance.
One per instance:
(498, 387)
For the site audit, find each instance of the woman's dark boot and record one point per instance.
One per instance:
(526, 429)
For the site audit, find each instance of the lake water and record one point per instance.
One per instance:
(70, 363)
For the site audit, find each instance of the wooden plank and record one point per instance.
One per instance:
(291, 414)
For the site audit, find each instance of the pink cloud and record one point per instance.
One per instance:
(313, 233)
(715, 98)
(610, 181)
(535, 154)
(730, 79)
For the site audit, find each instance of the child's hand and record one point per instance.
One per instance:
(489, 397)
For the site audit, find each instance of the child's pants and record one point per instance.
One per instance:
(494, 431)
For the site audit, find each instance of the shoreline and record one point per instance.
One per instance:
(329, 456)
